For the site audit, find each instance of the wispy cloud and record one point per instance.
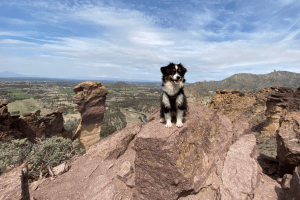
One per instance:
(133, 41)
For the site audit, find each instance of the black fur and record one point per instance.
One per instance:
(169, 72)
(164, 109)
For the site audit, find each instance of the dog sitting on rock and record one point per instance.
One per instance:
(173, 100)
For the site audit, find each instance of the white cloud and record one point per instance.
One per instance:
(131, 44)
(287, 1)
(112, 17)
(8, 33)
(16, 21)
(16, 42)
(149, 38)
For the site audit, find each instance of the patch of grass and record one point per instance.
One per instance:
(130, 92)
(26, 105)
(20, 94)
(24, 95)
(16, 91)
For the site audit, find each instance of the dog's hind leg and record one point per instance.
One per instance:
(162, 117)
(165, 112)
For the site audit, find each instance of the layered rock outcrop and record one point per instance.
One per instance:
(30, 126)
(288, 142)
(197, 161)
(33, 125)
(8, 125)
(280, 101)
(236, 104)
(90, 98)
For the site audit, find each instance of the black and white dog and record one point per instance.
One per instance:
(173, 100)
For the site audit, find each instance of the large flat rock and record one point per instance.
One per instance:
(172, 162)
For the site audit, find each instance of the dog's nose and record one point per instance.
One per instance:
(177, 77)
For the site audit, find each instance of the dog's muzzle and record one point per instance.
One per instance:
(176, 79)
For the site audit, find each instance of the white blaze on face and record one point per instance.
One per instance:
(176, 75)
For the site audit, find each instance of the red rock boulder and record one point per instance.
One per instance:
(90, 98)
(31, 125)
(288, 142)
(175, 162)
(196, 161)
(280, 101)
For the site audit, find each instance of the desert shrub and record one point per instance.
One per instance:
(53, 151)
(15, 152)
(71, 125)
(242, 94)
(49, 152)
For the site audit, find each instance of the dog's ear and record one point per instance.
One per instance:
(164, 70)
(183, 69)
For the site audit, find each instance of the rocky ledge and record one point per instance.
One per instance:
(208, 158)
(31, 125)
(280, 101)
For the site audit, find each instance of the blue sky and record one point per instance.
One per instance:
(132, 39)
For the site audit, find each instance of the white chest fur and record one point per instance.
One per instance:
(172, 89)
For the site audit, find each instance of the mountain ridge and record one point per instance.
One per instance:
(120, 84)
(9, 74)
(247, 82)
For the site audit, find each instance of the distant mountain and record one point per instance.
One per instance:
(249, 82)
(119, 85)
(7, 74)
(107, 79)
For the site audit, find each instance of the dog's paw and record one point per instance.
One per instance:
(168, 125)
(162, 120)
(179, 124)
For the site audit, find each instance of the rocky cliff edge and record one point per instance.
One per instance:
(207, 158)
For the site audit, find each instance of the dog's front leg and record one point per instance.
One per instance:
(168, 118)
(165, 112)
(179, 117)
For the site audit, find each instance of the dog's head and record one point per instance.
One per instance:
(173, 73)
